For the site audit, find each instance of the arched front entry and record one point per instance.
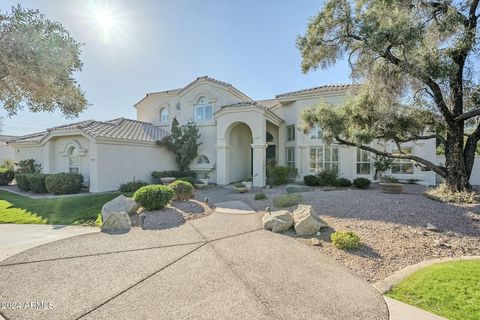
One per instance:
(240, 159)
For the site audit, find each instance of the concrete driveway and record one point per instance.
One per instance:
(223, 266)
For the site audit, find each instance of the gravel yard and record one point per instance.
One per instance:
(392, 227)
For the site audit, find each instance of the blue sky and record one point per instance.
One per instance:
(165, 44)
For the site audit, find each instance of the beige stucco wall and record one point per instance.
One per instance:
(25, 152)
(6, 152)
(240, 153)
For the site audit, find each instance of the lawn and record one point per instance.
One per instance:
(450, 289)
(68, 210)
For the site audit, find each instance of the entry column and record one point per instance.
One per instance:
(259, 164)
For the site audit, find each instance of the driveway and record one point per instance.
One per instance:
(224, 266)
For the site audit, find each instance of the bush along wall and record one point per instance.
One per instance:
(64, 183)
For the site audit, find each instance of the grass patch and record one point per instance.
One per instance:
(287, 200)
(451, 289)
(68, 210)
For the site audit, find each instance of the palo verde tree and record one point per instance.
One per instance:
(183, 142)
(417, 65)
(38, 58)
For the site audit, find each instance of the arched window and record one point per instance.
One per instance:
(269, 137)
(203, 110)
(73, 160)
(164, 115)
(203, 160)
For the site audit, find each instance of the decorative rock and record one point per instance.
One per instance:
(307, 221)
(431, 227)
(117, 223)
(440, 244)
(293, 188)
(318, 234)
(277, 221)
(119, 204)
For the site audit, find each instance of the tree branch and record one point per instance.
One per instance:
(468, 115)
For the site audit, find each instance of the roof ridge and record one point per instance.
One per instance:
(313, 89)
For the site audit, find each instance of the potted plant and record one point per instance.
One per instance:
(248, 182)
(391, 185)
(240, 187)
(381, 165)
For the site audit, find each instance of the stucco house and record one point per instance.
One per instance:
(239, 136)
(6, 151)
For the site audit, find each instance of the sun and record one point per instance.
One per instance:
(104, 19)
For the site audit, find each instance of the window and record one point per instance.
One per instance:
(164, 115)
(363, 162)
(402, 166)
(316, 132)
(203, 160)
(73, 160)
(291, 133)
(203, 110)
(269, 138)
(290, 157)
(323, 158)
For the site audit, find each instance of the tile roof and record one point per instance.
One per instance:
(120, 128)
(6, 138)
(243, 104)
(325, 88)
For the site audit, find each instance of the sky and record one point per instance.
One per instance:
(135, 47)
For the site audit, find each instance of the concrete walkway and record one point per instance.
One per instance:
(223, 266)
(402, 311)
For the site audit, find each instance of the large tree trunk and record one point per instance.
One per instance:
(457, 174)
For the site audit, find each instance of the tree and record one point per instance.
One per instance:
(38, 58)
(416, 62)
(183, 142)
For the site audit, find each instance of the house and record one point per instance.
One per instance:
(239, 137)
(6, 151)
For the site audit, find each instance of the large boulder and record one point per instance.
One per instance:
(119, 204)
(277, 221)
(116, 223)
(306, 221)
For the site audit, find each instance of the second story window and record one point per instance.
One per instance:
(164, 115)
(291, 133)
(203, 110)
(316, 132)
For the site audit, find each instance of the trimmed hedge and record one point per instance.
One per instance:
(22, 181)
(153, 197)
(6, 176)
(310, 180)
(132, 186)
(344, 182)
(278, 175)
(64, 183)
(36, 182)
(156, 175)
(183, 189)
(361, 183)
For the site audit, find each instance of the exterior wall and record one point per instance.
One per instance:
(475, 176)
(118, 163)
(24, 152)
(59, 160)
(6, 152)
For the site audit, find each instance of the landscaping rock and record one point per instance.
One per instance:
(307, 221)
(277, 221)
(293, 188)
(117, 223)
(431, 227)
(119, 204)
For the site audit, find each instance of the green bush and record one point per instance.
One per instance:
(287, 200)
(361, 183)
(8, 164)
(344, 182)
(183, 189)
(153, 197)
(22, 182)
(260, 196)
(132, 186)
(28, 166)
(327, 178)
(190, 180)
(6, 176)
(278, 175)
(156, 175)
(310, 180)
(36, 182)
(64, 183)
(345, 240)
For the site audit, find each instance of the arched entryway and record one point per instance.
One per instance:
(240, 152)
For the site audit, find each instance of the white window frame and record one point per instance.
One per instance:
(290, 157)
(201, 108)
(316, 132)
(290, 129)
(164, 115)
(71, 156)
(362, 161)
(320, 161)
(402, 162)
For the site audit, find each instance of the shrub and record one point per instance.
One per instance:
(287, 200)
(260, 196)
(278, 175)
(22, 182)
(361, 183)
(28, 166)
(64, 183)
(345, 240)
(156, 175)
(6, 176)
(190, 180)
(36, 182)
(390, 179)
(327, 178)
(183, 190)
(310, 180)
(344, 182)
(132, 186)
(8, 164)
(444, 194)
(153, 197)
